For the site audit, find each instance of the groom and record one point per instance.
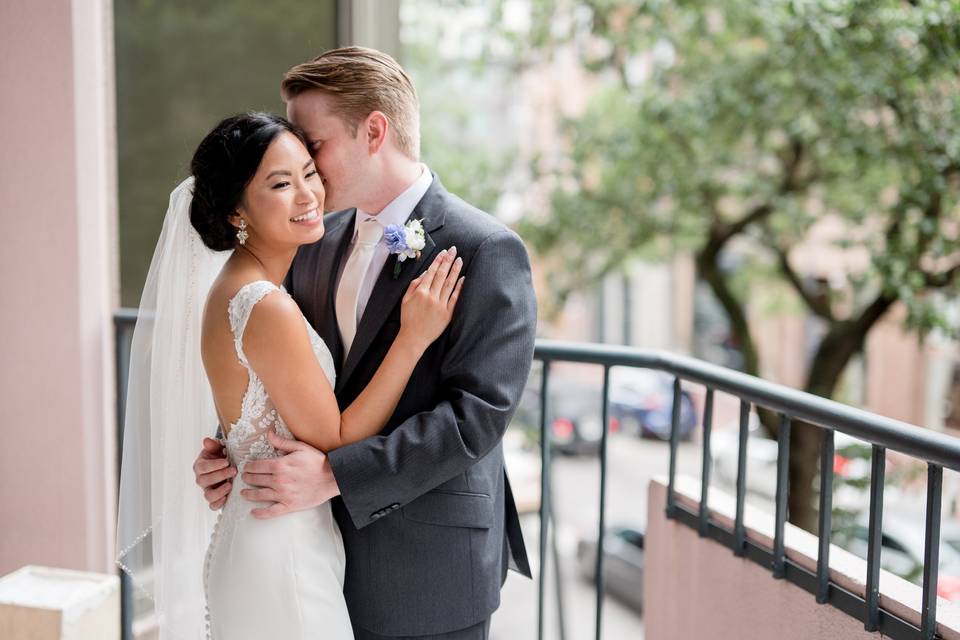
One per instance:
(425, 508)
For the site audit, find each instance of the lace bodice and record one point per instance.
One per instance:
(247, 438)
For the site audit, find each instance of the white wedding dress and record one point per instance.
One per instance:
(281, 577)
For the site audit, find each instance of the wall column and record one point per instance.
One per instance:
(58, 284)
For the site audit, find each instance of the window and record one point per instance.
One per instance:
(181, 67)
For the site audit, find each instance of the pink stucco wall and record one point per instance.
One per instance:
(58, 284)
(697, 588)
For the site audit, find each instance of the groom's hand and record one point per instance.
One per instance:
(214, 473)
(300, 480)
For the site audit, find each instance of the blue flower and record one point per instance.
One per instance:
(395, 237)
(404, 241)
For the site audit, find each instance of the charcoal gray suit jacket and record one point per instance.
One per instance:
(426, 511)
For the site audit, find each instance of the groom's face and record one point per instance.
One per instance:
(341, 154)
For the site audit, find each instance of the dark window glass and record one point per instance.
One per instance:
(182, 66)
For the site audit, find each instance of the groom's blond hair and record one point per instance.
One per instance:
(361, 81)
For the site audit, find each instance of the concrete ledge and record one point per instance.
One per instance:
(696, 587)
(41, 603)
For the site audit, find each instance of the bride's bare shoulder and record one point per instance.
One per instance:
(228, 284)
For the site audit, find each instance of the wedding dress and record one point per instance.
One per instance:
(281, 577)
(226, 575)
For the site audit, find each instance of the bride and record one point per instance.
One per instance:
(215, 317)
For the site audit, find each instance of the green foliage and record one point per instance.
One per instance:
(796, 109)
(460, 108)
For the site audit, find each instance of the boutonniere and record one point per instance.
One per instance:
(404, 241)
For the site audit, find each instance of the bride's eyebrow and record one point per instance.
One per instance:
(284, 172)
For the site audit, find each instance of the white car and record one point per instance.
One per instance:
(762, 462)
(523, 469)
(902, 547)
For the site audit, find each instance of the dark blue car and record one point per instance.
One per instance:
(642, 402)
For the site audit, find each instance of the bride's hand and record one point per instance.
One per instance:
(429, 302)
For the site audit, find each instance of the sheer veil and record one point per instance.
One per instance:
(164, 524)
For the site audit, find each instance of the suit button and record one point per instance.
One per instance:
(394, 507)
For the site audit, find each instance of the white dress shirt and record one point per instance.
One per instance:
(396, 212)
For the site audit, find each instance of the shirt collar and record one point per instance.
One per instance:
(400, 208)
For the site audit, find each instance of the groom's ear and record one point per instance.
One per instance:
(375, 129)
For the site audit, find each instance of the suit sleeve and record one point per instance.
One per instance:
(483, 372)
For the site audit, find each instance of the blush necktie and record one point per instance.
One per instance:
(369, 234)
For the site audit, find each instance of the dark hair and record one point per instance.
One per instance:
(222, 167)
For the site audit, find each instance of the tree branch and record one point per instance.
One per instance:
(943, 278)
(761, 211)
(818, 305)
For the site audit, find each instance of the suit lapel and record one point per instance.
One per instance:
(336, 242)
(387, 291)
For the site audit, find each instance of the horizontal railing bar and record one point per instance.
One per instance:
(125, 316)
(850, 603)
(919, 442)
(904, 437)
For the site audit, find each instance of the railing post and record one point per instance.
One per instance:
(931, 552)
(123, 335)
(674, 441)
(739, 532)
(878, 462)
(825, 516)
(783, 480)
(545, 445)
(601, 529)
(704, 526)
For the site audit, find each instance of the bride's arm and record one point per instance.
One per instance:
(278, 348)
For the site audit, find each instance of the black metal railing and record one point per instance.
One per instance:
(124, 322)
(936, 449)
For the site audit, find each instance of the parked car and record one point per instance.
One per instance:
(642, 401)
(762, 461)
(622, 563)
(902, 539)
(574, 415)
(902, 544)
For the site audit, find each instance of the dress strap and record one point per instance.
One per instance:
(240, 307)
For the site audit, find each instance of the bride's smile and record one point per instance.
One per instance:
(310, 218)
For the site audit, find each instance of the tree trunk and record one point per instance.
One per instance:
(843, 340)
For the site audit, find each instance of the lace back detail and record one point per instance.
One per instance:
(247, 438)
(240, 307)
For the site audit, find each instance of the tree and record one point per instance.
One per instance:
(736, 127)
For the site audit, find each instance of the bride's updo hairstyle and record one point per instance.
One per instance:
(223, 166)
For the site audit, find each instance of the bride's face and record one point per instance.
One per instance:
(283, 204)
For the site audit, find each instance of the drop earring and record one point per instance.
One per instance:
(242, 234)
